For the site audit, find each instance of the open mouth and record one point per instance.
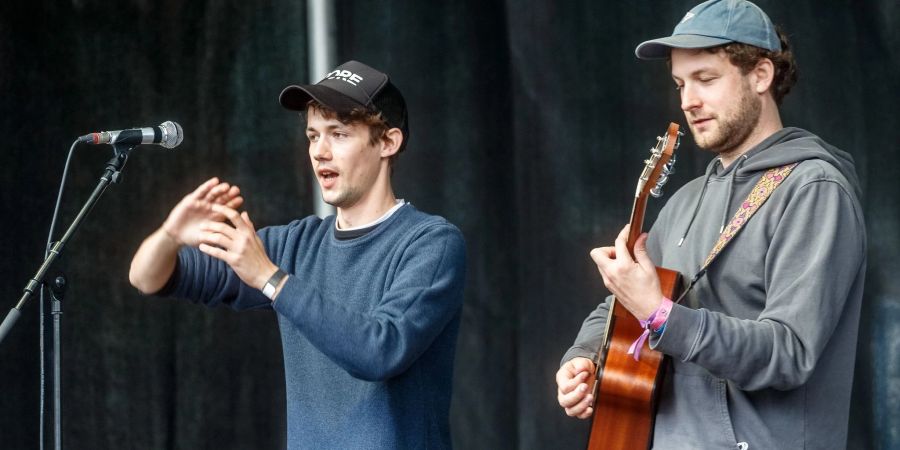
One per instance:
(327, 177)
(327, 174)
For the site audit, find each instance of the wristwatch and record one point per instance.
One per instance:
(269, 289)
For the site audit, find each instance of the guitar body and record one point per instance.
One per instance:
(625, 390)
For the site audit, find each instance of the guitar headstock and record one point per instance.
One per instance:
(656, 172)
(661, 163)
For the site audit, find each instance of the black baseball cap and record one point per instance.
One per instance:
(352, 85)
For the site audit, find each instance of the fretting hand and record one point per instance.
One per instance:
(633, 281)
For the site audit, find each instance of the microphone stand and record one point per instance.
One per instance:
(111, 174)
(57, 292)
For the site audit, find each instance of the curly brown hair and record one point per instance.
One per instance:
(746, 56)
(378, 127)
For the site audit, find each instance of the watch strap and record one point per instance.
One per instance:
(269, 289)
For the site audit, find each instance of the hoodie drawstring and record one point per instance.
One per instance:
(725, 210)
(698, 202)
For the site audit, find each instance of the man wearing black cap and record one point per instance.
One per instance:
(368, 301)
(762, 346)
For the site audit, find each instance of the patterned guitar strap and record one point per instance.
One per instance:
(760, 193)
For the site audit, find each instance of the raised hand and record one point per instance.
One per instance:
(187, 219)
(238, 246)
(572, 391)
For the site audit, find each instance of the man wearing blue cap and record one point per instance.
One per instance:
(762, 347)
(368, 301)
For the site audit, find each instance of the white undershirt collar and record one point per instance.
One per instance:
(385, 216)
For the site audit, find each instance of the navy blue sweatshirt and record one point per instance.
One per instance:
(368, 326)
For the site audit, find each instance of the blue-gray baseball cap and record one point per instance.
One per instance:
(713, 23)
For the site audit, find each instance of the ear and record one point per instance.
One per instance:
(763, 75)
(390, 143)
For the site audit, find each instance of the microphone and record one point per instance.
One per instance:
(168, 134)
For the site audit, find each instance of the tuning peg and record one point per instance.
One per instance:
(670, 166)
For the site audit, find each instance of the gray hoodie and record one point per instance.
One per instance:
(762, 348)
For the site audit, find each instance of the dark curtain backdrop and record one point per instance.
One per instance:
(529, 119)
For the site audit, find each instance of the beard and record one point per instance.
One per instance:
(735, 126)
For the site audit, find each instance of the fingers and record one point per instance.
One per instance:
(623, 234)
(603, 255)
(215, 252)
(582, 365)
(217, 192)
(227, 196)
(214, 191)
(640, 253)
(239, 246)
(218, 240)
(622, 245)
(232, 198)
(569, 384)
(218, 227)
(572, 373)
(251, 229)
(582, 410)
(232, 215)
(204, 188)
(246, 218)
(235, 203)
(572, 388)
(563, 375)
(222, 235)
(574, 396)
(585, 407)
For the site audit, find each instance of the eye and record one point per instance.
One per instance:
(312, 137)
(340, 135)
(679, 87)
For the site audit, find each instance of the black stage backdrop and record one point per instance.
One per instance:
(530, 121)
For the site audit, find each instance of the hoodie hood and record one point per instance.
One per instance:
(789, 145)
(785, 146)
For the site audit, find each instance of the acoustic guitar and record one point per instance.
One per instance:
(625, 390)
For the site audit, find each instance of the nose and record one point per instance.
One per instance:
(320, 150)
(689, 98)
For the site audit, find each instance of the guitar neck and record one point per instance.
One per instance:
(637, 221)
